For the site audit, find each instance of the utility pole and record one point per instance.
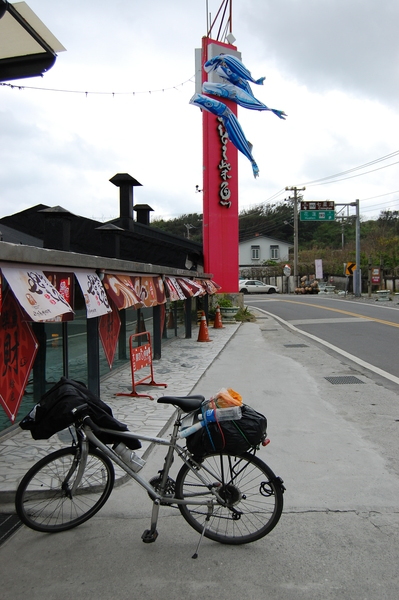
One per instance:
(357, 276)
(358, 273)
(295, 190)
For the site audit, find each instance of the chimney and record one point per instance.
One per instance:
(143, 213)
(111, 240)
(125, 183)
(57, 228)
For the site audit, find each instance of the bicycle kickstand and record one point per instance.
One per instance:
(207, 519)
(150, 535)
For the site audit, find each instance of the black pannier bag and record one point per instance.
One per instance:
(234, 437)
(53, 413)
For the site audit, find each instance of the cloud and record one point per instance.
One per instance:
(350, 45)
(331, 65)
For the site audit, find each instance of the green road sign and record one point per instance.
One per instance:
(317, 215)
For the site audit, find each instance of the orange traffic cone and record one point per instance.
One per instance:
(203, 335)
(171, 321)
(217, 324)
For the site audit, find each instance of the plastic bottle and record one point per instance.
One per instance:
(212, 415)
(129, 457)
(222, 414)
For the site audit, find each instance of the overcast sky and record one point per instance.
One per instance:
(331, 65)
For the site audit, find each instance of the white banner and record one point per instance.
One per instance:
(37, 296)
(318, 263)
(94, 293)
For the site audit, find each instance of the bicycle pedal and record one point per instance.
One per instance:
(149, 536)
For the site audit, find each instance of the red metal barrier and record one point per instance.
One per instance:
(141, 357)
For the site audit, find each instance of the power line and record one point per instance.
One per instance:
(352, 176)
(369, 164)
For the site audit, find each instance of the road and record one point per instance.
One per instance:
(365, 332)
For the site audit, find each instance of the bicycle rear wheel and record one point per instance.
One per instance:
(253, 498)
(43, 500)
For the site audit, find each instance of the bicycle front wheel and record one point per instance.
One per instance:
(44, 501)
(251, 498)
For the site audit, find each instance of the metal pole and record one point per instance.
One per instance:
(295, 190)
(358, 278)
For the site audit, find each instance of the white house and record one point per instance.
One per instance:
(255, 251)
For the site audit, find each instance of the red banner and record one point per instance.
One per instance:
(121, 290)
(150, 290)
(109, 328)
(18, 348)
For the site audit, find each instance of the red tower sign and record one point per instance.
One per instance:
(220, 187)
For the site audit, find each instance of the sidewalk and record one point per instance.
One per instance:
(183, 363)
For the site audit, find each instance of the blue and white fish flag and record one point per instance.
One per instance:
(237, 89)
(232, 67)
(233, 128)
(238, 95)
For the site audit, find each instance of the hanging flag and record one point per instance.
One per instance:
(94, 293)
(18, 348)
(232, 68)
(233, 128)
(239, 96)
(37, 296)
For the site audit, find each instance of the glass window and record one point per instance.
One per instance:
(274, 252)
(255, 252)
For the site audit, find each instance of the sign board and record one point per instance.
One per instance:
(375, 276)
(141, 357)
(350, 268)
(318, 205)
(317, 215)
(318, 263)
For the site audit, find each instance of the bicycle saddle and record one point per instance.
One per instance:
(186, 403)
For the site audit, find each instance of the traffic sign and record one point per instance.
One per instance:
(317, 215)
(318, 205)
(350, 267)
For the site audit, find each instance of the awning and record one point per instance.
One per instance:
(28, 48)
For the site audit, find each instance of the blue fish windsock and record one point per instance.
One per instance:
(227, 61)
(229, 76)
(233, 128)
(238, 95)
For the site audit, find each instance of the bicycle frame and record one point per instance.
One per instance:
(87, 435)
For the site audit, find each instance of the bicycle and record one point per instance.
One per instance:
(226, 498)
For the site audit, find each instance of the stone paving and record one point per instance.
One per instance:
(183, 363)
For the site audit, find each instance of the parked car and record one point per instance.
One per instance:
(254, 286)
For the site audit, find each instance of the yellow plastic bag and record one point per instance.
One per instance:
(227, 397)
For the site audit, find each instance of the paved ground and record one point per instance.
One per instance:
(335, 448)
(183, 363)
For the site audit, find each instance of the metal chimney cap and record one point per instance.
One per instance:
(142, 207)
(121, 179)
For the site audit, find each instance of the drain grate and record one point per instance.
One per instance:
(345, 379)
(295, 346)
